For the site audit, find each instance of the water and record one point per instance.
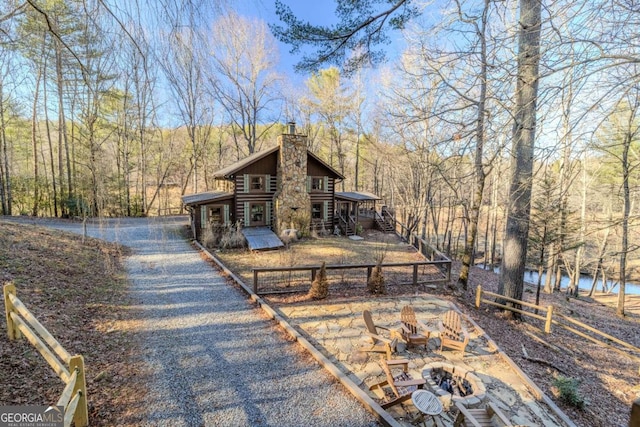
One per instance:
(583, 284)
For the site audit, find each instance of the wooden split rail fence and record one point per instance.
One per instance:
(70, 369)
(552, 317)
(424, 247)
(271, 280)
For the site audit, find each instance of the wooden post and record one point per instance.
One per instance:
(12, 328)
(478, 296)
(255, 282)
(313, 274)
(368, 274)
(415, 274)
(635, 414)
(81, 417)
(547, 325)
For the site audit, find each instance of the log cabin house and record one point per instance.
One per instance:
(284, 187)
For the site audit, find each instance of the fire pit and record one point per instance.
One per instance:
(454, 384)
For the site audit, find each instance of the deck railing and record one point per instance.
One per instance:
(70, 369)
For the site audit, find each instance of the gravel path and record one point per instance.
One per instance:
(215, 359)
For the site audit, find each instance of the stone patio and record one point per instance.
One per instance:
(337, 330)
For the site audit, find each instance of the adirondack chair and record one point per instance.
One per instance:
(379, 344)
(453, 334)
(489, 416)
(413, 331)
(396, 389)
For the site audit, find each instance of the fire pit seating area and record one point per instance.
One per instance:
(454, 383)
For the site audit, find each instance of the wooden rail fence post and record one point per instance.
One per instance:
(255, 282)
(547, 325)
(478, 296)
(81, 417)
(415, 274)
(12, 328)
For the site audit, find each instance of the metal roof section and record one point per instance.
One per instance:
(356, 196)
(208, 196)
(261, 238)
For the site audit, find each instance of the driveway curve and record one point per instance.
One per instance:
(215, 359)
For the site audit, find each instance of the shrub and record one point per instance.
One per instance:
(232, 237)
(376, 284)
(209, 238)
(320, 286)
(567, 391)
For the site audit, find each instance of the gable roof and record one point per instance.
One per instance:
(205, 197)
(229, 171)
(326, 165)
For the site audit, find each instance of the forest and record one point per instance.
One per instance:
(117, 108)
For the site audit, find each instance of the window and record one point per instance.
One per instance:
(317, 183)
(256, 183)
(316, 211)
(215, 215)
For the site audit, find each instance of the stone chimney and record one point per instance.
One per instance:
(292, 204)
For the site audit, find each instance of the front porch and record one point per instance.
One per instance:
(356, 209)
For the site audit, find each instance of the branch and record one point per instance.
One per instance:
(526, 356)
(57, 36)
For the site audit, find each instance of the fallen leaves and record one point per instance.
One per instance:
(78, 292)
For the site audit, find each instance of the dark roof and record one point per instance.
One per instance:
(208, 196)
(356, 196)
(229, 171)
(226, 173)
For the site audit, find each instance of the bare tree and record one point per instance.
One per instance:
(620, 137)
(184, 68)
(332, 101)
(243, 78)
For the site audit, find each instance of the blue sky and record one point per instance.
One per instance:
(318, 12)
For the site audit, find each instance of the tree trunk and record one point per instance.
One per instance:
(515, 243)
(62, 132)
(480, 176)
(6, 187)
(34, 143)
(625, 224)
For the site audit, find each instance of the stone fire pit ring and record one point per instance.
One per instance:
(472, 400)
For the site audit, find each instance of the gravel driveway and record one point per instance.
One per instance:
(215, 359)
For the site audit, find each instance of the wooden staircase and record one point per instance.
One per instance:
(385, 223)
(348, 227)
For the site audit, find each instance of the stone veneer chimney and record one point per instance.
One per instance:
(292, 204)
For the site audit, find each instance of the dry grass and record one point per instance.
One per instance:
(332, 250)
(78, 291)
